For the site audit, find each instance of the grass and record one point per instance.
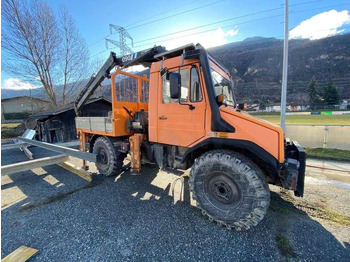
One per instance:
(9, 125)
(320, 212)
(328, 154)
(11, 130)
(284, 246)
(309, 119)
(297, 206)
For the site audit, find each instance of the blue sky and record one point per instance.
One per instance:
(309, 19)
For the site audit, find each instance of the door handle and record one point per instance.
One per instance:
(163, 118)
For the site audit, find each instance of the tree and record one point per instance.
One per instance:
(330, 94)
(96, 64)
(263, 103)
(315, 99)
(42, 47)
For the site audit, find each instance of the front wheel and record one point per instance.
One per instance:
(230, 189)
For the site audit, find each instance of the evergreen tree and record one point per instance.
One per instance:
(313, 96)
(263, 103)
(330, 94)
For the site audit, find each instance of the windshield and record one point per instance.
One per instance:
(222, 86)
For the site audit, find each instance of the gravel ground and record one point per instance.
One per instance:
(133, 218)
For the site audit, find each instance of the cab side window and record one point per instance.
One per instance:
(196, 93)
(185, 81)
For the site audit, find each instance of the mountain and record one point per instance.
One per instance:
(8, 93)
(256, 66)
(40, 92)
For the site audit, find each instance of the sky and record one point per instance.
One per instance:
(209, 22)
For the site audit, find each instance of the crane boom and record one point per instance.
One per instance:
(144, 57)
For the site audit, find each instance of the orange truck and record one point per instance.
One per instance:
(185, 116)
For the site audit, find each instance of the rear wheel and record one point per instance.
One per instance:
(230, 189)
(109, 159)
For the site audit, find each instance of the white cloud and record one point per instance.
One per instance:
(137, 68)
(207, 39)
(17, 84)
(231, 32)
(322, 25)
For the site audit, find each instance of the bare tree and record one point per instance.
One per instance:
(41, 47)
(95, 66)
(75, 54)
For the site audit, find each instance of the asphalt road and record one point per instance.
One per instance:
(134, 218)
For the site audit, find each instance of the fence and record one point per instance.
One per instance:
(329, 136)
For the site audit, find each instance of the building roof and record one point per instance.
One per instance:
(25, 97)
(49, 113)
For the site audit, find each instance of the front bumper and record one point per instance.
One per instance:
(294, 167)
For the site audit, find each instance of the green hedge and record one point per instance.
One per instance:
(328, 154)
(9, 116)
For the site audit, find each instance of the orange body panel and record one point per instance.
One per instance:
(173, 123)
(187, 128)
(268, 136)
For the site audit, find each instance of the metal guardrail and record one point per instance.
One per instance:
(31, 164)
(61, 149)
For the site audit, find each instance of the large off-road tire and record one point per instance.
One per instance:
(230, 189)
(109, 159)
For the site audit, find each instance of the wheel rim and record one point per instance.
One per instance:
(103, 157)
(222, 189)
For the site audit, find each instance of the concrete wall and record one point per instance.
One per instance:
(331, 136)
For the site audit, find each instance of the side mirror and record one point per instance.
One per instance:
(175, 85)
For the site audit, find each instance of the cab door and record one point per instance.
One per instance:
(182, 123)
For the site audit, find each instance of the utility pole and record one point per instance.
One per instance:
(121, 44)
(285, 69)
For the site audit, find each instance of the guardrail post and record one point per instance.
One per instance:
(325, 137)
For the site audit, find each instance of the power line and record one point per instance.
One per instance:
(226, 20)
(218, 22)
(186, 11)
(181, 13)
(209, 30)
(100, 39)
(168, 39)
(256, 13)
(101, 52)
(168, 11)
